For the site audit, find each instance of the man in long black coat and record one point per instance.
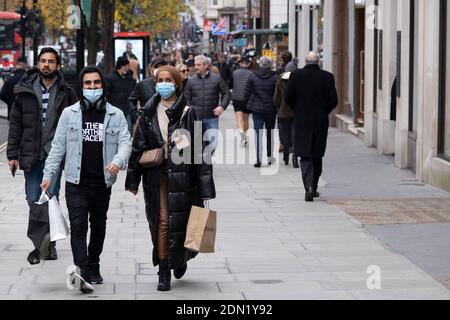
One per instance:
(311, 93)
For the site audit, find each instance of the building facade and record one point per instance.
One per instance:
(391, 60)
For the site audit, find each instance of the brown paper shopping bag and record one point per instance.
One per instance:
(201, 230)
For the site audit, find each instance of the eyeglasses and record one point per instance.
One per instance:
(184, 71)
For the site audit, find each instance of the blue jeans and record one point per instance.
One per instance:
(212, 126)
(33, 181)
(38, 227)
(264, 121)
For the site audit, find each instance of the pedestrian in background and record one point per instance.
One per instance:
(191, 67)
(209, 95)
(172, 188)
(144, 90)
(184, 72)
(7, 92)
(311, 93)
(286, 56)
(286, 121)
(239, 81)
(41, 96)
(259, 93)
(119, 86)
(224, 68)
(93, 138)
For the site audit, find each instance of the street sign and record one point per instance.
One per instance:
(228, 38)
(240, 27)
(218, 32)
(207, 25)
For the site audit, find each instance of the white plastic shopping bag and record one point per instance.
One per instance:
(59, 228)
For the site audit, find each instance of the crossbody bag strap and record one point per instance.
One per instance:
(185, 111)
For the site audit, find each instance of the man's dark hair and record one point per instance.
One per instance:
(158, 62)
(190, 63)
(121, 61)
(87, 70)
(50, 50)
(244, 60)
(286, 56)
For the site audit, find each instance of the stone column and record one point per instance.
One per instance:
(369, 134)
(386, 128)
(328, 35)
(292, 27)
(402, 128)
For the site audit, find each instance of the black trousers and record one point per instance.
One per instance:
(87, 204)
(287, 133)
(311, 171)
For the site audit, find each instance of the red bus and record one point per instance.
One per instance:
(10, 41)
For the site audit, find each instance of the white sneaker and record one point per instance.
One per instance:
(76, 281)
(244, 143)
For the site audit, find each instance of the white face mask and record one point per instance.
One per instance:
(93, 95)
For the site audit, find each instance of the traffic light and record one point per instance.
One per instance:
(34, 23)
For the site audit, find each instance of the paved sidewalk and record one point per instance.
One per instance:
(3, 110)
(270, 245)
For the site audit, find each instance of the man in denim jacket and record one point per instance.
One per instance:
(94, 138)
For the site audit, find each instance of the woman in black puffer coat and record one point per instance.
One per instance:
(170, 189)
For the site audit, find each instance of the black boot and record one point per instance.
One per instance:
(295, 162)
(52, 255)
(178, 273)
(316, 193)
(309, 196)
(34, 257)
(164, 276)
(96, 277)
(286, 159)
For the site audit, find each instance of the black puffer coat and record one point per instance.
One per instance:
(189, 184)
(206, 94)
(26, 137)
(259, 91)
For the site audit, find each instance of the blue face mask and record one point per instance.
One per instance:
(92, 95)
(165, 89)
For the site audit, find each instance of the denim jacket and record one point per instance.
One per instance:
(68, 142)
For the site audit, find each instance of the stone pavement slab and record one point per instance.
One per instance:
(270, 245)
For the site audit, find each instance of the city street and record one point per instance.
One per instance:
(270, 243)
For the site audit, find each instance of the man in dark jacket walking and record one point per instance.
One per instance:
(259, 93)
(202, 93)
(224, 68)
(41, 96)
(119, 86)
(311, 93)
(7, 92)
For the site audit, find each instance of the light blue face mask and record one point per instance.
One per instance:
(165, 89)
(94, 95)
